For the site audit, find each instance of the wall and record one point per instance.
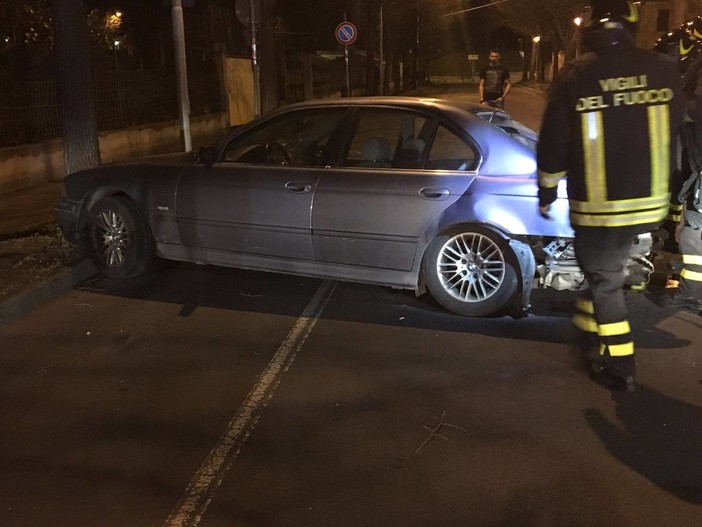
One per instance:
(25, 165)
(647, 33)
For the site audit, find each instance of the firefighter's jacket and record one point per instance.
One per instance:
(610, 127)
(691, 172)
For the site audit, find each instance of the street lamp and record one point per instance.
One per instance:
(535, 56)
(578, 20)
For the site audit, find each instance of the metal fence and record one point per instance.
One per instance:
(30, 112)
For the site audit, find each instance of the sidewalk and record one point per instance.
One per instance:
(29, 209)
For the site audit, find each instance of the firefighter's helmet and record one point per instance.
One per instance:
(613, 14)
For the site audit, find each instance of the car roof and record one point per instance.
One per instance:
(385, 100)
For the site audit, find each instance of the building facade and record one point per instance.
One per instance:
(661, 16)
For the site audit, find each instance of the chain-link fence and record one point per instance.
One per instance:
(30, 113)
(132, 58)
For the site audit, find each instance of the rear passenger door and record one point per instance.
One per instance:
(398, 171)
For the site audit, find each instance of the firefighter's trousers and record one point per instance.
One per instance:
(691, 250)
(602, 254)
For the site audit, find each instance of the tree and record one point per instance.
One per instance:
(553, 20)
(75, 82)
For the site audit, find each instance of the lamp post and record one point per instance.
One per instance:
(578, 20)
(181, 71)
(535, 56)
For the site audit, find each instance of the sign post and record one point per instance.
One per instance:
(247, 12)
(346, 34)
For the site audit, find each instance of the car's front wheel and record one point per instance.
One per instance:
(119, 240)
(471, 271)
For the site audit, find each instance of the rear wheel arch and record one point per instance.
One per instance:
(483, 281)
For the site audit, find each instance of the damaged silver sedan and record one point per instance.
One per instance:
(397, 191)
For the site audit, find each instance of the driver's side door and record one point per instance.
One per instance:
(257, 197)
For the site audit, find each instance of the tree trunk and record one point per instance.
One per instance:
(75, 86)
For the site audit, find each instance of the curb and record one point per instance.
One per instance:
(34, 297)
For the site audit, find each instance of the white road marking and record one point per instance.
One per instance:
(199, 493)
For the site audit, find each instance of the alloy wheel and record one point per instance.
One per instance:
(112, 237)
(471, 267)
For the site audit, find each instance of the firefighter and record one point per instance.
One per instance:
(689, 293)
(610, 127)
(683, 46)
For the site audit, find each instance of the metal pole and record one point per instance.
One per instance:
(381, 69)
(416, 53)
(181, 71)
(348, 75)
(254, 59)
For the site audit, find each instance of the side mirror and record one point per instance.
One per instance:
(208, 156)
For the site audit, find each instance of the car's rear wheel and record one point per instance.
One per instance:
(120, 242)
(471, 271)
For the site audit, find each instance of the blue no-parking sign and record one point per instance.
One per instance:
(346, 33)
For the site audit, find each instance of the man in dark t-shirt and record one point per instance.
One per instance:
(494, 82)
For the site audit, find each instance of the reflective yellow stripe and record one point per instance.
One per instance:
(617, 220)
(614, 329)
(675, 207)
(584, 305)
(621, 350)
(584, 323)
(659, 137)
(691, 275)
(692, 259)
(673, 217)
(622, 205)
(548, 180)
(593, 147)
(633, 15)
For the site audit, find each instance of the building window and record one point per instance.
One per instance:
(663, 20)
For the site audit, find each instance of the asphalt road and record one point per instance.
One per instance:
(218, 397)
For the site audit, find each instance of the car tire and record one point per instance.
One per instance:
(471, 271)
(119, 240)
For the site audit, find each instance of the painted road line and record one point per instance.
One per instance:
(201, 489)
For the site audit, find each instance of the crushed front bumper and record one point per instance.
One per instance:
(67, 214)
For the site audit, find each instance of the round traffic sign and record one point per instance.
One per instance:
(346, 33)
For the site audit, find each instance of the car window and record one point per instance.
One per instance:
(450, 152)
(387, 139)
(300, 138)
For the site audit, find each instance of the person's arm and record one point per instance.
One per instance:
(481, 91)
(507, 87)
(553, 147)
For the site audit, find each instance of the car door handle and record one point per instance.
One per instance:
(437, 194)
(297, 188)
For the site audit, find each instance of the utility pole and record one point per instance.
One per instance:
(381, 66)
(253, 21)
(181, 71)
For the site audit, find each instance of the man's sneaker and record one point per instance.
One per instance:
(678, 300)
